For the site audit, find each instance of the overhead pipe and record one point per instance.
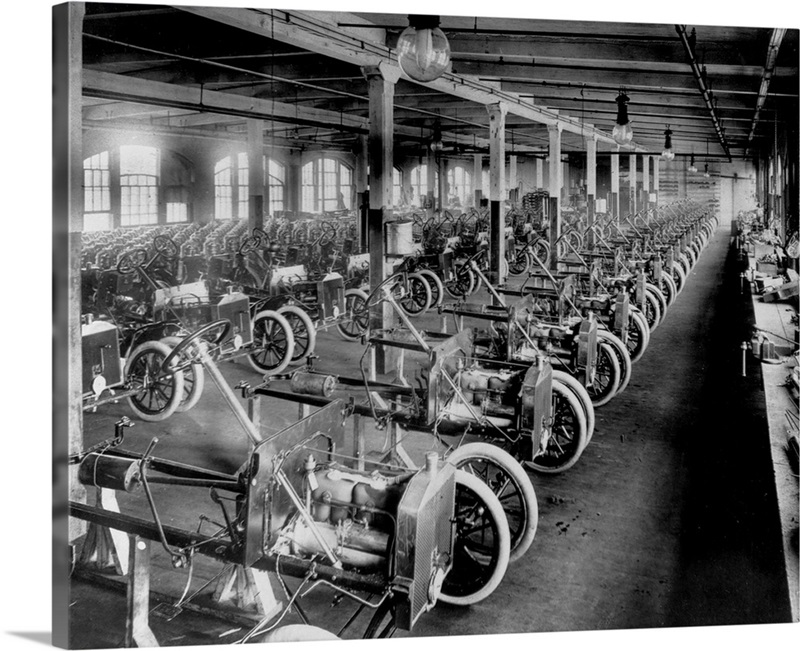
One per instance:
(702, 84)
(766, 77)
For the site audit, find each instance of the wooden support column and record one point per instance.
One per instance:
(444, 186)
(381, 80)
(115, 187)
(539, 174)
(591, 188)
(362, 188)
(294, 183)
(656, 160)
(257, 189)
(497, 169)
(632, 184)
(555, 190)
(430, 167)
(477, 179)
(615, 183)
(645, 182)
(513, 180)
(67, 356)
(67, 415)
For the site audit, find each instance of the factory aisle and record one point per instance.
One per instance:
(669, 517)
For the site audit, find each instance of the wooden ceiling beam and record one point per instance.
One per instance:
(321, 32)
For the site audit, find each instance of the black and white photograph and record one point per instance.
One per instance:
(438, 322)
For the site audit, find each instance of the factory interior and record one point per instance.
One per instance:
(401, 325)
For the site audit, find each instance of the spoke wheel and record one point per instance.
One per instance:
(567, 438)
(623, 357)
(355, 320)
(662, 300)
(303, 331)
(606, 376)
(273, 343)
(159, 392)
(193, 377)
(583, 397)
(418, 295)
(508, 481)
(482, 543)
(638, 335)
(652, 310)
(679, 276)
(520, 262)
(436, 285)
(462, 284)
(669, 289)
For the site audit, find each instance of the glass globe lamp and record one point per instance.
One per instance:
(423, 50)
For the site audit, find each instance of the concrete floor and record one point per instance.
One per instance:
(668, 519)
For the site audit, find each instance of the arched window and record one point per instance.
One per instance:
(327, 185)
(276, 180)
(176, 179)
(231, 194)
(460, 182)
(139, 173)
(97, 193)
(397, 187)
(419, 184)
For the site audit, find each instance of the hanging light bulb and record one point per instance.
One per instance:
(706, 174)
(668, 154)
(436, 141)
(692, 166)
(423, 51)
(622, 133)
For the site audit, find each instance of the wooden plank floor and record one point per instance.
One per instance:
(667, 519)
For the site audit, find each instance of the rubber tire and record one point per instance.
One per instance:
(520, 539)
(418, 308)
(192, 388)
(287, 358)
(600, 398)
(669, 289)
(679, 276)
(149, 347)
(562, 393)
(583, 396)
(436, 285)
(643, 329)
(467, 286)
(623, 357)
(662, 300)
(299, 314)
(522, 263)
(354, 294)
(492, 508)
(654, 315)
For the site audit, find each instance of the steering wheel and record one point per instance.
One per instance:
(129, 262)
(250, 244)
(328, 234)
(224, 325)
(165, 246)
(261, 236)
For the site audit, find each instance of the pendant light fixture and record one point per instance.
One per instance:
(706, 174)
(423, 51)
(692, 166)
(436, 144)
(668, 154)
(622, 133)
